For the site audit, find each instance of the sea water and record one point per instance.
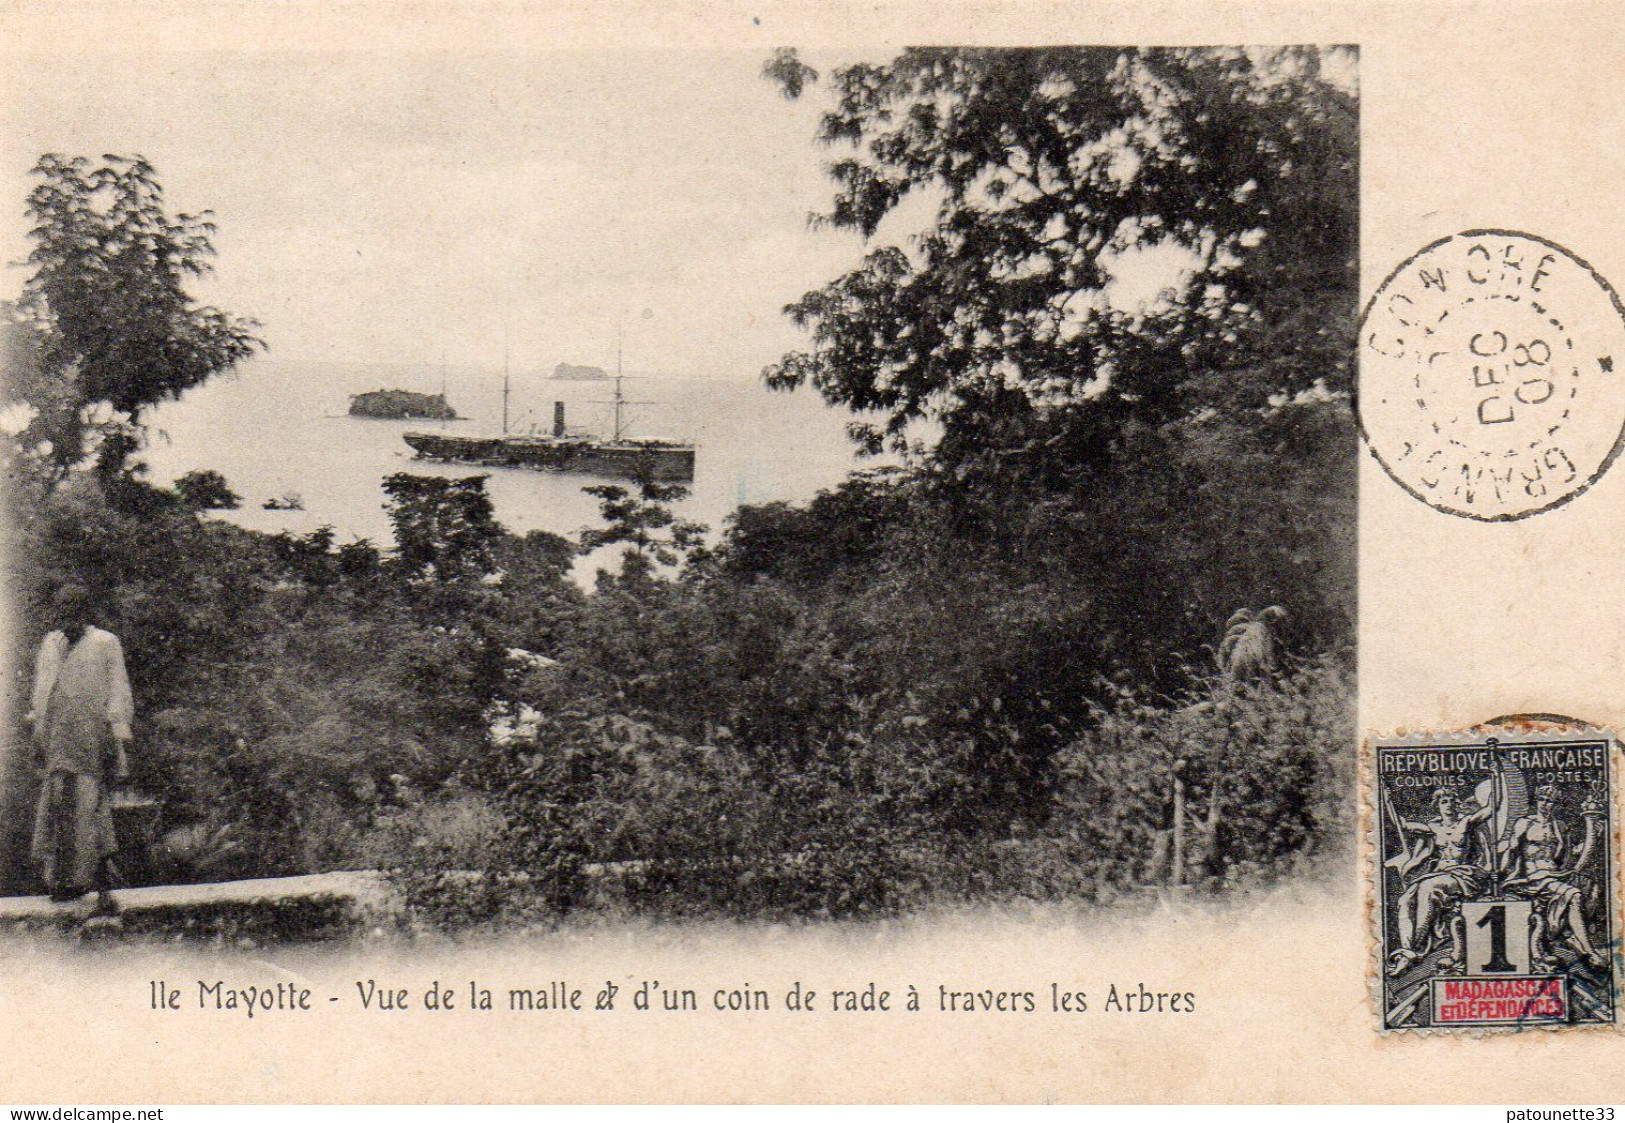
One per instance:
(278, 428)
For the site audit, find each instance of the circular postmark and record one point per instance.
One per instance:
(1492, 375)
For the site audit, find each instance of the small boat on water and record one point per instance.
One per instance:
(619, 455)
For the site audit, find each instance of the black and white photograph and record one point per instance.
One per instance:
(679, 485)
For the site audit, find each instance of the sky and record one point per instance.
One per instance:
(403, 207)
(413, 207)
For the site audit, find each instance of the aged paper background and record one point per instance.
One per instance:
(1474, 114)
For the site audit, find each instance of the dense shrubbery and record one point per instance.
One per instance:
(855, 706)
(1265, 768)
(881, 816)
(286, 687)
(755, 743)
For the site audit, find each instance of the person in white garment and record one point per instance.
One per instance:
(82, 710)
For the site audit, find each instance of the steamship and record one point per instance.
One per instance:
(619, 455)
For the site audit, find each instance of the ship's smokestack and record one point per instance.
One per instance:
(558, 419)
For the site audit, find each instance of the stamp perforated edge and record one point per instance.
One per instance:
(1531, 727)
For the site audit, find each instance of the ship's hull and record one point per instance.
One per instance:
(659, 460)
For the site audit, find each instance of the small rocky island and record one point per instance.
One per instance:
(403, 405)
(570, 372)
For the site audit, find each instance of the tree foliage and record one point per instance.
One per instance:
(207, 490)
(1053, 171)
(641, 518)
(444, 528)
(106, 308)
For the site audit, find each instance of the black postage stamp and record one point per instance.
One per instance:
(1495, 892)
(1492, 375)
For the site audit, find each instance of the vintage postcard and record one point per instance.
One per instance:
(802, 552)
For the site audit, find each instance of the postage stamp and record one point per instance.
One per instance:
(1495, 894)
(1492, 375)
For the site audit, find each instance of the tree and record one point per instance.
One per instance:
(644, 521)
(445, 529)
(1129, 314)
(106, 310)
(207, 490)
(1053, 172)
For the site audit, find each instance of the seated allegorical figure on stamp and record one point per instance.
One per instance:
(82, 710)
(1450, 867)
(1540, 864)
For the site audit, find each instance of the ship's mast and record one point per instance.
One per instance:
(446, 405)
(619, 403)
(504, 379)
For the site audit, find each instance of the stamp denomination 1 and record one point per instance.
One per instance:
(1495, 881)
(1492, 375)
